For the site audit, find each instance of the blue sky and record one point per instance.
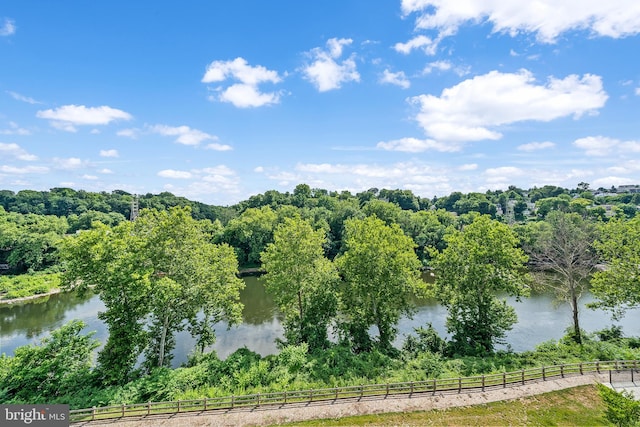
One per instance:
(220, 100)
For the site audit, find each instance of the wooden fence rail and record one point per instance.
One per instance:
(380, 391)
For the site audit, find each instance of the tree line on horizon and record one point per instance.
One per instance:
(32, 223)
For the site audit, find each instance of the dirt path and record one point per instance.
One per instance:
(298, 412)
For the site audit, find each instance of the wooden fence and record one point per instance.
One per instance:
(369, 391)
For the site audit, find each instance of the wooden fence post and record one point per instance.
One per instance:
(179, 401)
(562, 371)
(93, 413)
(435, 386)
(523, 377)
(411, 393)
(337, 393)
(285, 396)
(459, 384)
(387, 395)
(544, 376)
(482, 382)
(148, 408)
(123, 406)
(310, 395)
(258, 397)
(233, 401)
(581, 373)
(504, 380)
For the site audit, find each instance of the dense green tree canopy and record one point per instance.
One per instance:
(302, 281)
(617, 286)
(480, 261)
(152, 275)
(381, 274)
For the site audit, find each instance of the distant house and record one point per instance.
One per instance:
(603, 194)
(628, 189)
(609, 210)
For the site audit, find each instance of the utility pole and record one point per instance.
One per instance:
(135, 207)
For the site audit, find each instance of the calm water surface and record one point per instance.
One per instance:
(539, 319)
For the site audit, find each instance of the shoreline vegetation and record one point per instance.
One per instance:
(14, 285)
(18, 300)
(28, 287)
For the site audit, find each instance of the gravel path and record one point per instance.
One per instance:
(298, 412)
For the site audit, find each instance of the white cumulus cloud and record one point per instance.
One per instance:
(503, 174)
(533, 146)
(69, 163)
(547, 19)
(245, 93)
(419, 42)
(7, 28)
(326, 71)
(398, 79)
(468, 167)
(472, 109)
(109, 153)
(415, 145)
(185, 134)
(14, 129)
(129, 133)
(12, 170)
(68, 117)
(605, 146)
(14, 150)
(174, 174)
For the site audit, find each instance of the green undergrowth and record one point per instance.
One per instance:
(293, 368)
(25, 285)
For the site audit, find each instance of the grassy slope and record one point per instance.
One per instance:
(579, 406)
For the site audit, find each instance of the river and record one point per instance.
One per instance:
(539, 320)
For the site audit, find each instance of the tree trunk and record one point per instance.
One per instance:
(301, 338)
(163, 340)
(576, 322)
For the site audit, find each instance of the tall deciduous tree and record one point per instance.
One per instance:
(302, 281)
(185, 277)
(381, 274)
(563, 255)
(617, 287)
(480, 261)
(153, 276)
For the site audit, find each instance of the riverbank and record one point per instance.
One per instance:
(10, 301)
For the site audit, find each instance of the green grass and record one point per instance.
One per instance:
(26, 285)
(579, 406)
